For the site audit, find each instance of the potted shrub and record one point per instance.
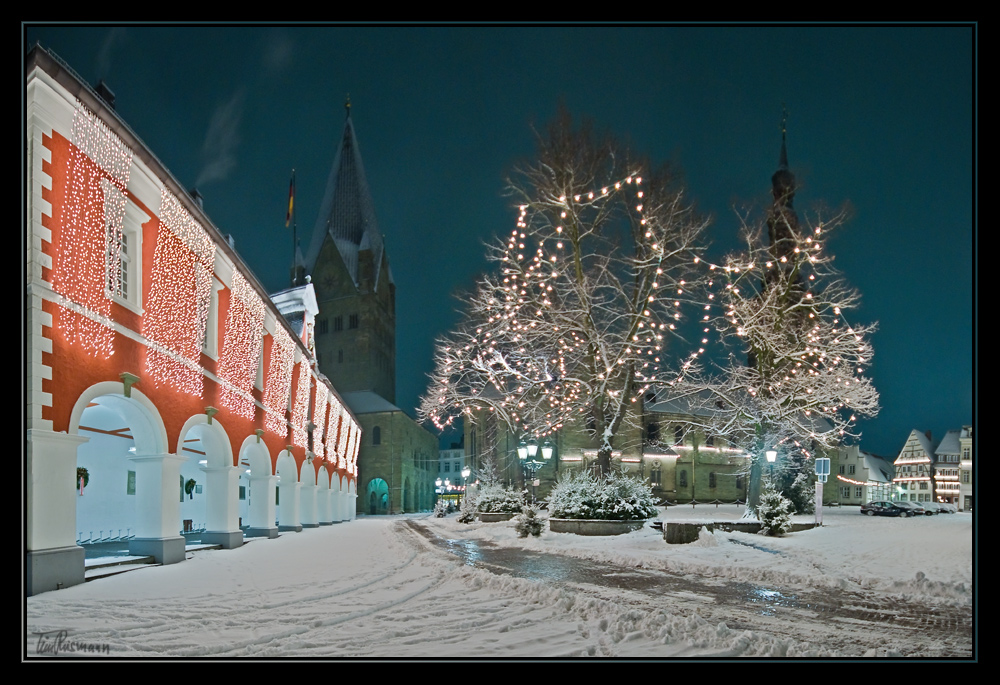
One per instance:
(587, 505)
(496, 502)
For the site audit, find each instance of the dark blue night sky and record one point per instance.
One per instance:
(882, 119)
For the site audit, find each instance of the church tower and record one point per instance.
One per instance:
(356, 324)
(782, 222)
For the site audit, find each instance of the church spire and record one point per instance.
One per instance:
(782, 222)
(347, 215)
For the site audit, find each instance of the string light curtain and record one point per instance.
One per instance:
(241, 348)
(300, 407)
(89, 256)
(179, 298)
(345, 429)
(334, 456)
(279, 382)
(319, 418)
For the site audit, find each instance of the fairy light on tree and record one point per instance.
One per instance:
(574, 323)
(90, 223)
(179, 298)
(795, 373)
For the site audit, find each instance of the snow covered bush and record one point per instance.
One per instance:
(624, 498)
(527, 522)
(774, 511)
(574, 496)
(441, 508)
(467, 512)
(495, 498)
(617, 497)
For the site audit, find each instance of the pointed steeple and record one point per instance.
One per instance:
(782, 222)
(347, 214)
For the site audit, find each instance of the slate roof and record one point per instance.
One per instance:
(347, 214)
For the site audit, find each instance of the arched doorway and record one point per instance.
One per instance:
(378, 496)
(210, 490)
(139, 494)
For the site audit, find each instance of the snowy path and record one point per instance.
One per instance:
(374, 588)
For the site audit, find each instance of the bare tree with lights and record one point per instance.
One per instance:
(795, 381)
(572, 327)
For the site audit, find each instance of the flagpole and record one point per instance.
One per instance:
(290, 219)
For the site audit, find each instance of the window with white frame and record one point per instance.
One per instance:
(123, 227)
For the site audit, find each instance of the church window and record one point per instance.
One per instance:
(353, 321)
(322, 326)
(376, 436)
(683, 480)
(711, 479)
(653, 432)
(338, 323)
(340, 356)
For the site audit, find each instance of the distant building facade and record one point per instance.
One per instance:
(914, 469)
(936, 471)
(965, 489)
(863, 477)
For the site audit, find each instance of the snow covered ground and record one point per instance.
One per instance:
(372, 588)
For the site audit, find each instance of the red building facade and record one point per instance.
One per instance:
(154, 357)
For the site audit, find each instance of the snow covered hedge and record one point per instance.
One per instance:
(496, 498)
(618, 497)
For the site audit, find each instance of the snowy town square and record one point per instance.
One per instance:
(420, 587)
(494, 343)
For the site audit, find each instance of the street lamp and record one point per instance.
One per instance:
(771, 456)
(528, 453)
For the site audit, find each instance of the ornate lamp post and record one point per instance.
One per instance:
(528, 454)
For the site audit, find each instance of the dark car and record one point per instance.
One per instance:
(914, 508)
(882, 508)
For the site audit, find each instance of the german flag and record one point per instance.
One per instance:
(291, 200)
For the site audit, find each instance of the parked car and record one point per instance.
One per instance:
(914, 508)
(882, 508)
(940, 507)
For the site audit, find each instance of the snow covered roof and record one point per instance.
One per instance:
(879, 469)
(949, 444)
(368, 402)
(922, 439)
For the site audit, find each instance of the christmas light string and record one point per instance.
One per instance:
(241, 349)
(832, 348)
(300, 404)
(319, 418)
(278, 387)
(179, 297)
(89, 258)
